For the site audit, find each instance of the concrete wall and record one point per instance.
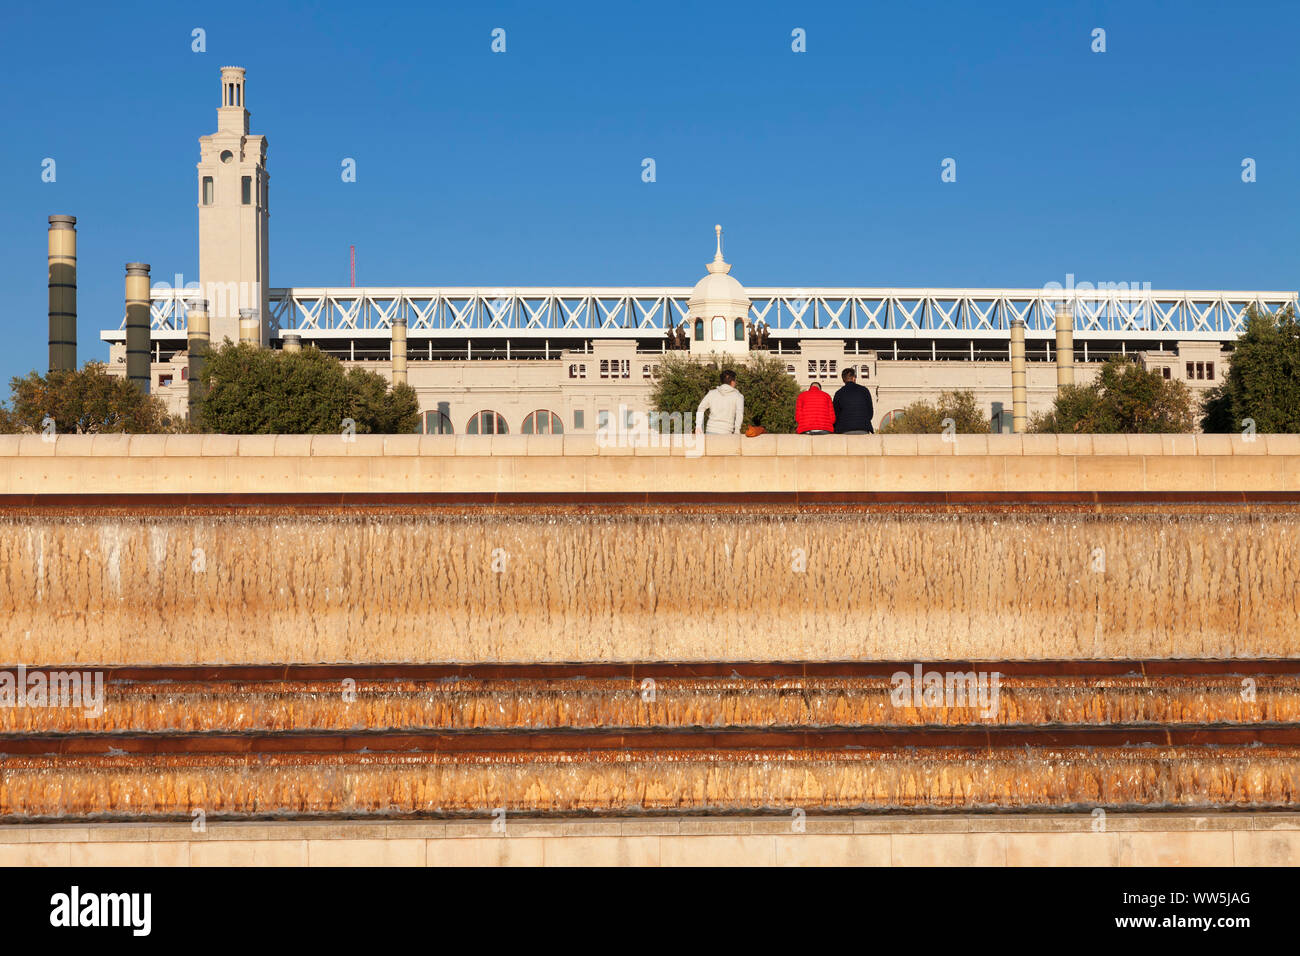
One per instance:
(1238, 839)
(518, 464)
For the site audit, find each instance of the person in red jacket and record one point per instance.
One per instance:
(814, 414)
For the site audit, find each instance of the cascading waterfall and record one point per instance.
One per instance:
(265, 662)
(671, 585)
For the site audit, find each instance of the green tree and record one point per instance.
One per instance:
(769, 390)
(1263, 378)
(770, 393)
(258, 391)
(379, 409)
(680, 384)
(1125, 398)
(86, 401)
(925, 418)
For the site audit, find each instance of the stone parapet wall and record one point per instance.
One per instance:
(569, 464)
(1161, 839)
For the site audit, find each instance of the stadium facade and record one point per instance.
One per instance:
(549, 360)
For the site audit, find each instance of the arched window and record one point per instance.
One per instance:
(740, 330)
(699, 330)
(543, 422)
(719, 328)
(437, 423)
(487, 423)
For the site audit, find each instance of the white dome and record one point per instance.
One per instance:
(718, 285)
(718, 293)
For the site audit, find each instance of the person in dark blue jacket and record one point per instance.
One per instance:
(853, 408)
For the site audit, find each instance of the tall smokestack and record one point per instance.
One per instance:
(249, 329)
(1064, 345)
(138, 359)
(63, 292)
(197, 326)
(1019, 392)
(399, 351)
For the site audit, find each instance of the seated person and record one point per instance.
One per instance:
(853, 408)
(814, 413)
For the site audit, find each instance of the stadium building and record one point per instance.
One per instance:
(550, 360)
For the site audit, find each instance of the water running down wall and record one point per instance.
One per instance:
(671, 584)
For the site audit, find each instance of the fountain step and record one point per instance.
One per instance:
(487, 742)
(1215, 697)
(550, 584)
(626, 781)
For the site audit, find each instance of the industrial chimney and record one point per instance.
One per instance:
(63, 292)
(1019, 391)
(138, 358)
(196, 325)
(398, 351)
(250, 328)
(1064, 346)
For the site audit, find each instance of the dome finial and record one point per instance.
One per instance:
(719, 264)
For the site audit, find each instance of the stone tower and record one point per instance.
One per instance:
(233, 261)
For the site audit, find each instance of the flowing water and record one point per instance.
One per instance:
(709, 585)
(522, 588)
(530, 703)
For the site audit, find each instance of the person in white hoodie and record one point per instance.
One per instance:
(725, 406)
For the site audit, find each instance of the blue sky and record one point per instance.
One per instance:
(524, 168)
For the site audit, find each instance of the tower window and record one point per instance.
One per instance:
(699, 330)
(246, 190)
(207, 190)
(740, 330)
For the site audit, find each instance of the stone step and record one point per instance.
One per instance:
(623, 782)
(953, 698)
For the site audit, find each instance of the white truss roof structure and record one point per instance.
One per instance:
(790, 313)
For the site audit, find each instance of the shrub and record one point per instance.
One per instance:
(924, 418)
(769, 390)
(258, 391)
(87, 401)
(1263, 378)
(1123, 398)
